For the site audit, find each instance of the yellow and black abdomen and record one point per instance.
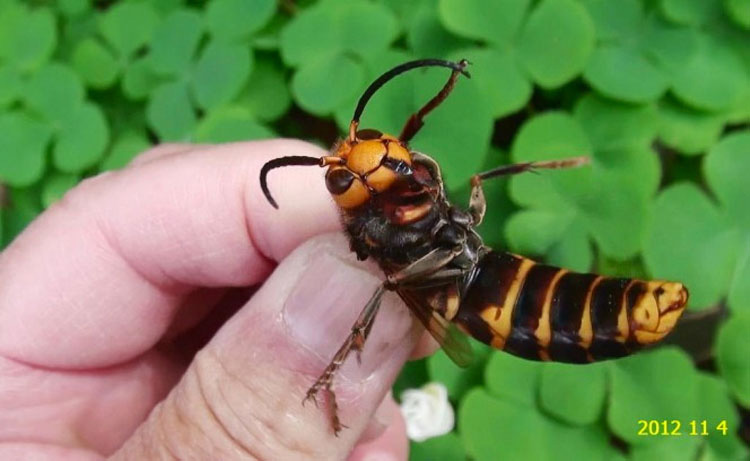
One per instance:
(543, 312)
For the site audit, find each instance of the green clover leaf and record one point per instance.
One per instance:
(553, 135)
(739, 11)
(614, 24)
(77, 28)
(310, 36)
(512, 379)
(268, 38)
(496, 21)
(55, 187)
(238, 19)
(53, 90)
(124, 30)
(214, 78)
(658, 385)
(82, 138)
(689, 12)
(27, 36)
(448, 447)
(688, 235)
(266, 94)
(503, 83)
(663, 448)
(482, 417)
(611, 126)
(23, 142)
(426, 35)
(716, 405)
(497, 68)
(522, 50)
(622, 72)
(573, 394)
(365, 28)
(726, 170)
(714, 79)
(732, 349)
(124, 148)
(140, 79)
(170, 112)
(458, 380)
(128, 26)
(712, 247)
(741, 112)
(408, 11)
(554, 233)
(668, 45)
(95, 64)
(11, 85)
(56, 94)
(334, 26)
(331, 34)
(220, 73)
(322, 85)
(637, 54)
(73, 8)
(228, 124)
(174, 42)
(556, 42)
(689, 131)
(164, 7)
(600, 201)
(24, 206)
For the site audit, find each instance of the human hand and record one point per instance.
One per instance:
(106, 298)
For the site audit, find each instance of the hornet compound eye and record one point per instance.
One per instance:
(347, 189)
(339, 180)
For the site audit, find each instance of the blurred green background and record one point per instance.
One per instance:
(656, 91)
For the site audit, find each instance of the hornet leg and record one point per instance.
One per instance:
(477, 202)
(431, 263)
(355, 340)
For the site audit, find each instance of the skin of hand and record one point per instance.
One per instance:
(127, 328)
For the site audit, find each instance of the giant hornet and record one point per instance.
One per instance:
(394, 209)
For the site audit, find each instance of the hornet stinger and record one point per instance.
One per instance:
(393, 206)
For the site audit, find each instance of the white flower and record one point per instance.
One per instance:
(427, 412)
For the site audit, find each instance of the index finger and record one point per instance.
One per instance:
(97, 278)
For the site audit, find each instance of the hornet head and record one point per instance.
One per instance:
(368, 162)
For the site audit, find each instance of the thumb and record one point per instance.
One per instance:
(242, 395)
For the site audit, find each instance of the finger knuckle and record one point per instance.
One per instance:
(241, 415)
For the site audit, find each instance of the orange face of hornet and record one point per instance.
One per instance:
(369, 167)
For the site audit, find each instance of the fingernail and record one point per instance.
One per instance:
(325, 303)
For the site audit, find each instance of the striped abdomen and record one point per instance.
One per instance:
(543, 312)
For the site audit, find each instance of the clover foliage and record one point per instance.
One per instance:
(655, 92)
